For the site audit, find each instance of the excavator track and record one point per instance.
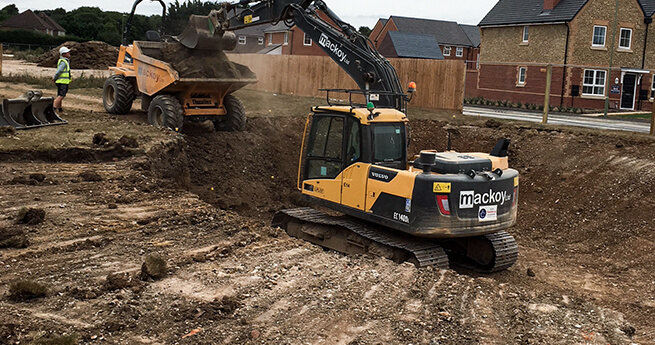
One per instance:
(421, 252)
(506, 250)
(350, 236)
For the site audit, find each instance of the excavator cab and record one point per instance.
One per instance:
(354, 160)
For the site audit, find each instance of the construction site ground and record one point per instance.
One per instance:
(203, 202)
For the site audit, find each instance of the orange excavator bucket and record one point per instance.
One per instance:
(30, 110)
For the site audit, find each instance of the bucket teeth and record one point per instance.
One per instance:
(30, 110)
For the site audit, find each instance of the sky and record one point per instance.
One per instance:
(356, 12)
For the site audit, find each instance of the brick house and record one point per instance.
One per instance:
(455, 41)
(581, 39)
(283, 40)
(250, 40)
(29, 20)
(410, 45)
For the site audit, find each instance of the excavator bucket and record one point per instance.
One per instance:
(200, 33)
(29, 111)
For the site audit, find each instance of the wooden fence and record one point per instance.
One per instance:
(440, 82)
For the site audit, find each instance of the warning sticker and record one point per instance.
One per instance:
(441, 187)
(488, 213)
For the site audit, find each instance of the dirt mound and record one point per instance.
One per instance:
(86, 55)
(196, 63)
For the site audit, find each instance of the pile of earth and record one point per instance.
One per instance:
(86, 55)
(198, 63)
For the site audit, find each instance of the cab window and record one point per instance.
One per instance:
(324, 158)
(388, 147)
(354, 147)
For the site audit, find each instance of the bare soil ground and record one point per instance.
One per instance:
(203, 201)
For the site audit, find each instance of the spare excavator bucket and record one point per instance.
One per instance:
(29, 111)
(201, 34)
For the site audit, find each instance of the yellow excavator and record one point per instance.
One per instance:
(433, 209)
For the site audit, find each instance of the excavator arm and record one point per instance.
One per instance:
(352, 51)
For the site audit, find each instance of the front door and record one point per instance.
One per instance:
(628, 95)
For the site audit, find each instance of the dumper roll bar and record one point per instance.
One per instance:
(128, 25)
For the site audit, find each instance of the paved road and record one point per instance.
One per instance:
(564, 120)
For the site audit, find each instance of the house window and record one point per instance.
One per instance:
(260, 40)
(270, 39)
(625, 40)
(522, 73)
(446, 51)
(307, 40)
(599, 36)
(526, 34)
(286, 38)
(459, 52)
(242, 39)
(652, 88)
(593, 83)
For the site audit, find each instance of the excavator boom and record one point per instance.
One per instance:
(352, 51)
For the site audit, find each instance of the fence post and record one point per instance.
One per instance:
(549, 75)
(652, 121)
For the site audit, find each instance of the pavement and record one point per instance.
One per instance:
(588, 121)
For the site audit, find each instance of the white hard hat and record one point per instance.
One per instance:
(63, 50)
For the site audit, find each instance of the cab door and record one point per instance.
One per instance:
(355, 176)
(324, 158)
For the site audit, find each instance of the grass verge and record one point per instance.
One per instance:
(79, 82)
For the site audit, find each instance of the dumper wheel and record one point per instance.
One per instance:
(166, 111)
(235, 120)
(117, 95)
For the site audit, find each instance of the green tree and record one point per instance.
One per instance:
(178, 14)
(8, 12)
(365, 30)
(110, 34)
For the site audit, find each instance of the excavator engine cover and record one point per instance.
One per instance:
(30, 110)
(451, 162)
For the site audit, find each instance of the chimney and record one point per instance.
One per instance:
(550, 4)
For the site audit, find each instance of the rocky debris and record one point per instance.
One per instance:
(86, 55)
(128, 141)
(31, 216)
(492, 123)
(118, 281)
(53, 339)
(531, 272)
(13, 238)
(38, 177)
(7, 131)
(31, 179)
(628, 330)
(23, 290)
(90, 176)
(100, 139)
(154, 267)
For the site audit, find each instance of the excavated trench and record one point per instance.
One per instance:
(584, 232)
(583, 194)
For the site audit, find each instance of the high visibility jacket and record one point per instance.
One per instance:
(65, 76)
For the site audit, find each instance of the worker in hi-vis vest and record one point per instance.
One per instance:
(62, 77)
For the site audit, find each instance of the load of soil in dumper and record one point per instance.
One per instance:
(198, 63)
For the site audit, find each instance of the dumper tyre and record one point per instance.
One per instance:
(166, 111)
(235, 120)
(117, 95)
